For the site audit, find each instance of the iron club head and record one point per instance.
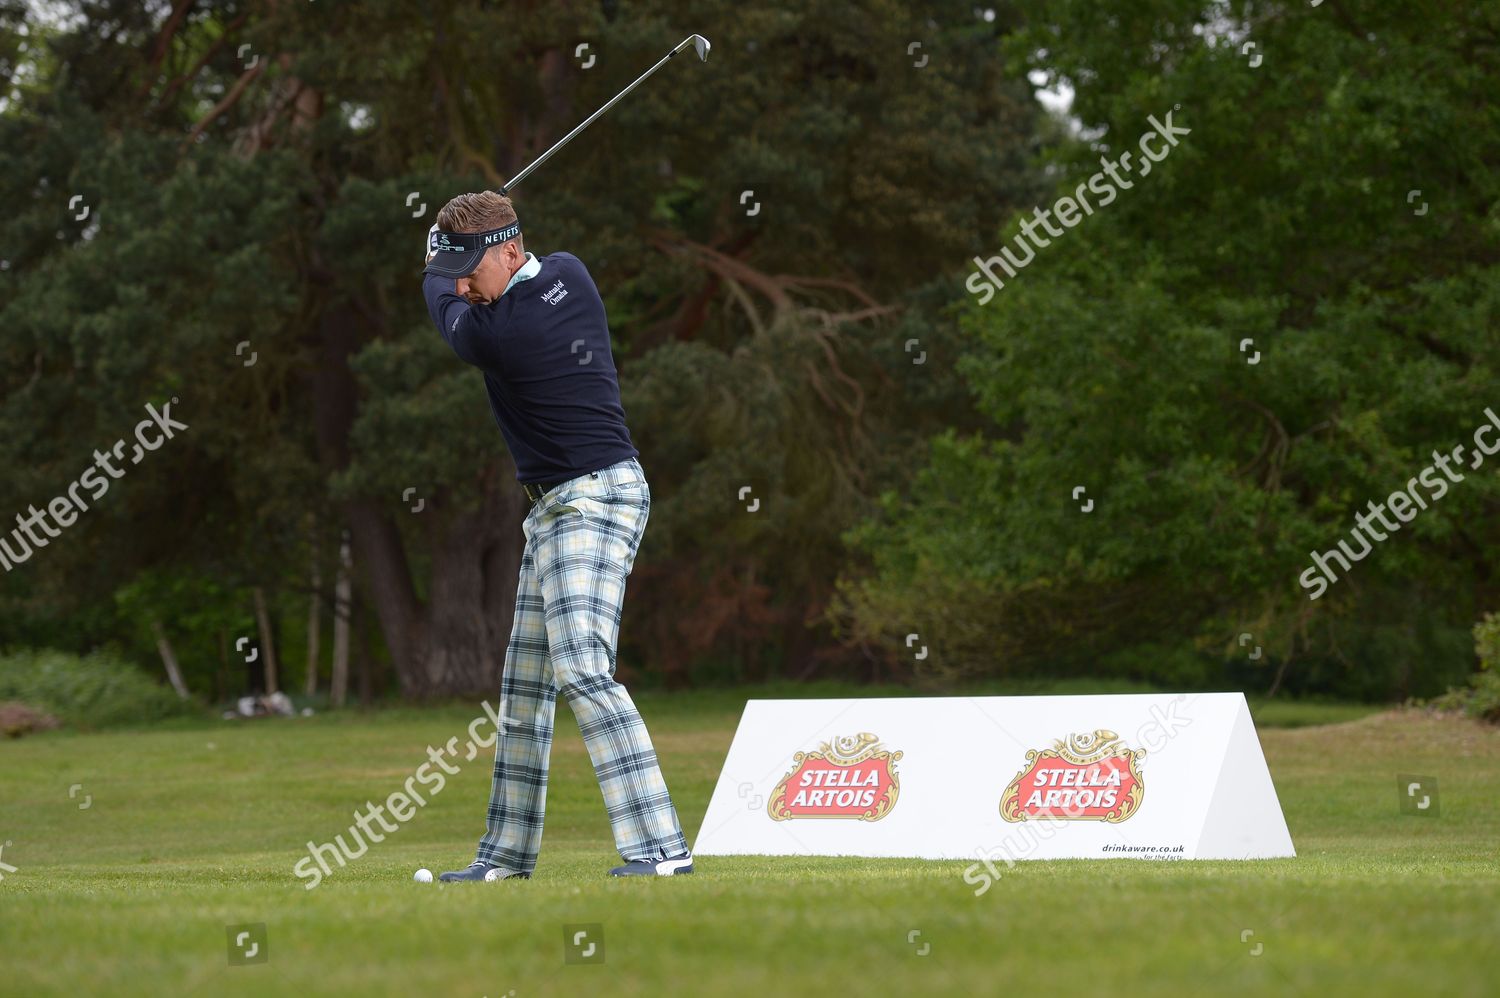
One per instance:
(701, 46)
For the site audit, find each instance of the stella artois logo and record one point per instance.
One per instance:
(848, 777)
(1083, 778)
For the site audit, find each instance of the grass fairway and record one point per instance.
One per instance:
(196, 827)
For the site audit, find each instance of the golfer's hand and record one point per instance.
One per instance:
(431, 244)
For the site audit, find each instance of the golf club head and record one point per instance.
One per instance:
(701, 46)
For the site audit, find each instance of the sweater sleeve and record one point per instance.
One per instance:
(458, 323)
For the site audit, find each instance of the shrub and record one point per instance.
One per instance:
(1487, 642)
(1481, 698)
(92, 691)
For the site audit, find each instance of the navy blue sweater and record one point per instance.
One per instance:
(557, 403)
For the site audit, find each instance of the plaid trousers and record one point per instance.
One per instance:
(581, 541)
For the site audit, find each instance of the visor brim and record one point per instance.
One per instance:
(454, 265)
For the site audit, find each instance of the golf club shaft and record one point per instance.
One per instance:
(589, 120)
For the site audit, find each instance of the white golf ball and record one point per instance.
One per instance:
(423, 876)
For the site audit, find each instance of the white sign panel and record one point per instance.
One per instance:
(1156, 776)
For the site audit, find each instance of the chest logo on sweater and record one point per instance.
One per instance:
(555, 294)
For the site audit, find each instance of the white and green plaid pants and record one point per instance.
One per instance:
(581, 542)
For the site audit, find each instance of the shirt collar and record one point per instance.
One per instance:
(525, 272)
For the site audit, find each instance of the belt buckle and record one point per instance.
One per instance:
(537, 490)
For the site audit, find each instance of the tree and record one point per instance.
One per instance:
(1256, 339)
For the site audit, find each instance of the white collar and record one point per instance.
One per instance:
(525, 272)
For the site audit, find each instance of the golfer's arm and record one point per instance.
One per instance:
(455, 320)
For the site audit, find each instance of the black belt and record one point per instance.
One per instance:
(535, 492)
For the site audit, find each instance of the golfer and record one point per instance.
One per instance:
(535, 326)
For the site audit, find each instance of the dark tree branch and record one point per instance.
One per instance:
(225, 103)
(197, 67)
(164, 41)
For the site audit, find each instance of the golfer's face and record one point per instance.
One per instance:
(490, 277)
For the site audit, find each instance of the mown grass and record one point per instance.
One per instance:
(196, 827)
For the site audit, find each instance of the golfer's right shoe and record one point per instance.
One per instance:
(669, 867)
(484, 870)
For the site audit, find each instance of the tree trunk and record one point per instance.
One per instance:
(374, 535)
(267, 644)
(169, 659)
(476, 562)
(456, 643)
(366, 659)
(314, 617)
(342, 589)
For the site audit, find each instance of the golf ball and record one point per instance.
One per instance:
(422, 876)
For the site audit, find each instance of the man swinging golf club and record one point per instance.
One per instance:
(536, 327)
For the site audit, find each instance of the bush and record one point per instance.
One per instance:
(1487, 642)
(1481, 698)
(92, 691)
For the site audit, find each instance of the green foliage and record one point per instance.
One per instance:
(1113, 363)
(98, 690)
(197, 614)
(1487, 642)
(1480, 696)
(1479, 699)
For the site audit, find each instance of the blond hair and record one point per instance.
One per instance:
(479, 212)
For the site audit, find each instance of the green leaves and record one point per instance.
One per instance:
(1259, 337)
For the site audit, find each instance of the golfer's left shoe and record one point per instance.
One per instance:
(669, 867)
(481, 870)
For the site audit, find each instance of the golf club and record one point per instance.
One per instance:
(700, 45)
